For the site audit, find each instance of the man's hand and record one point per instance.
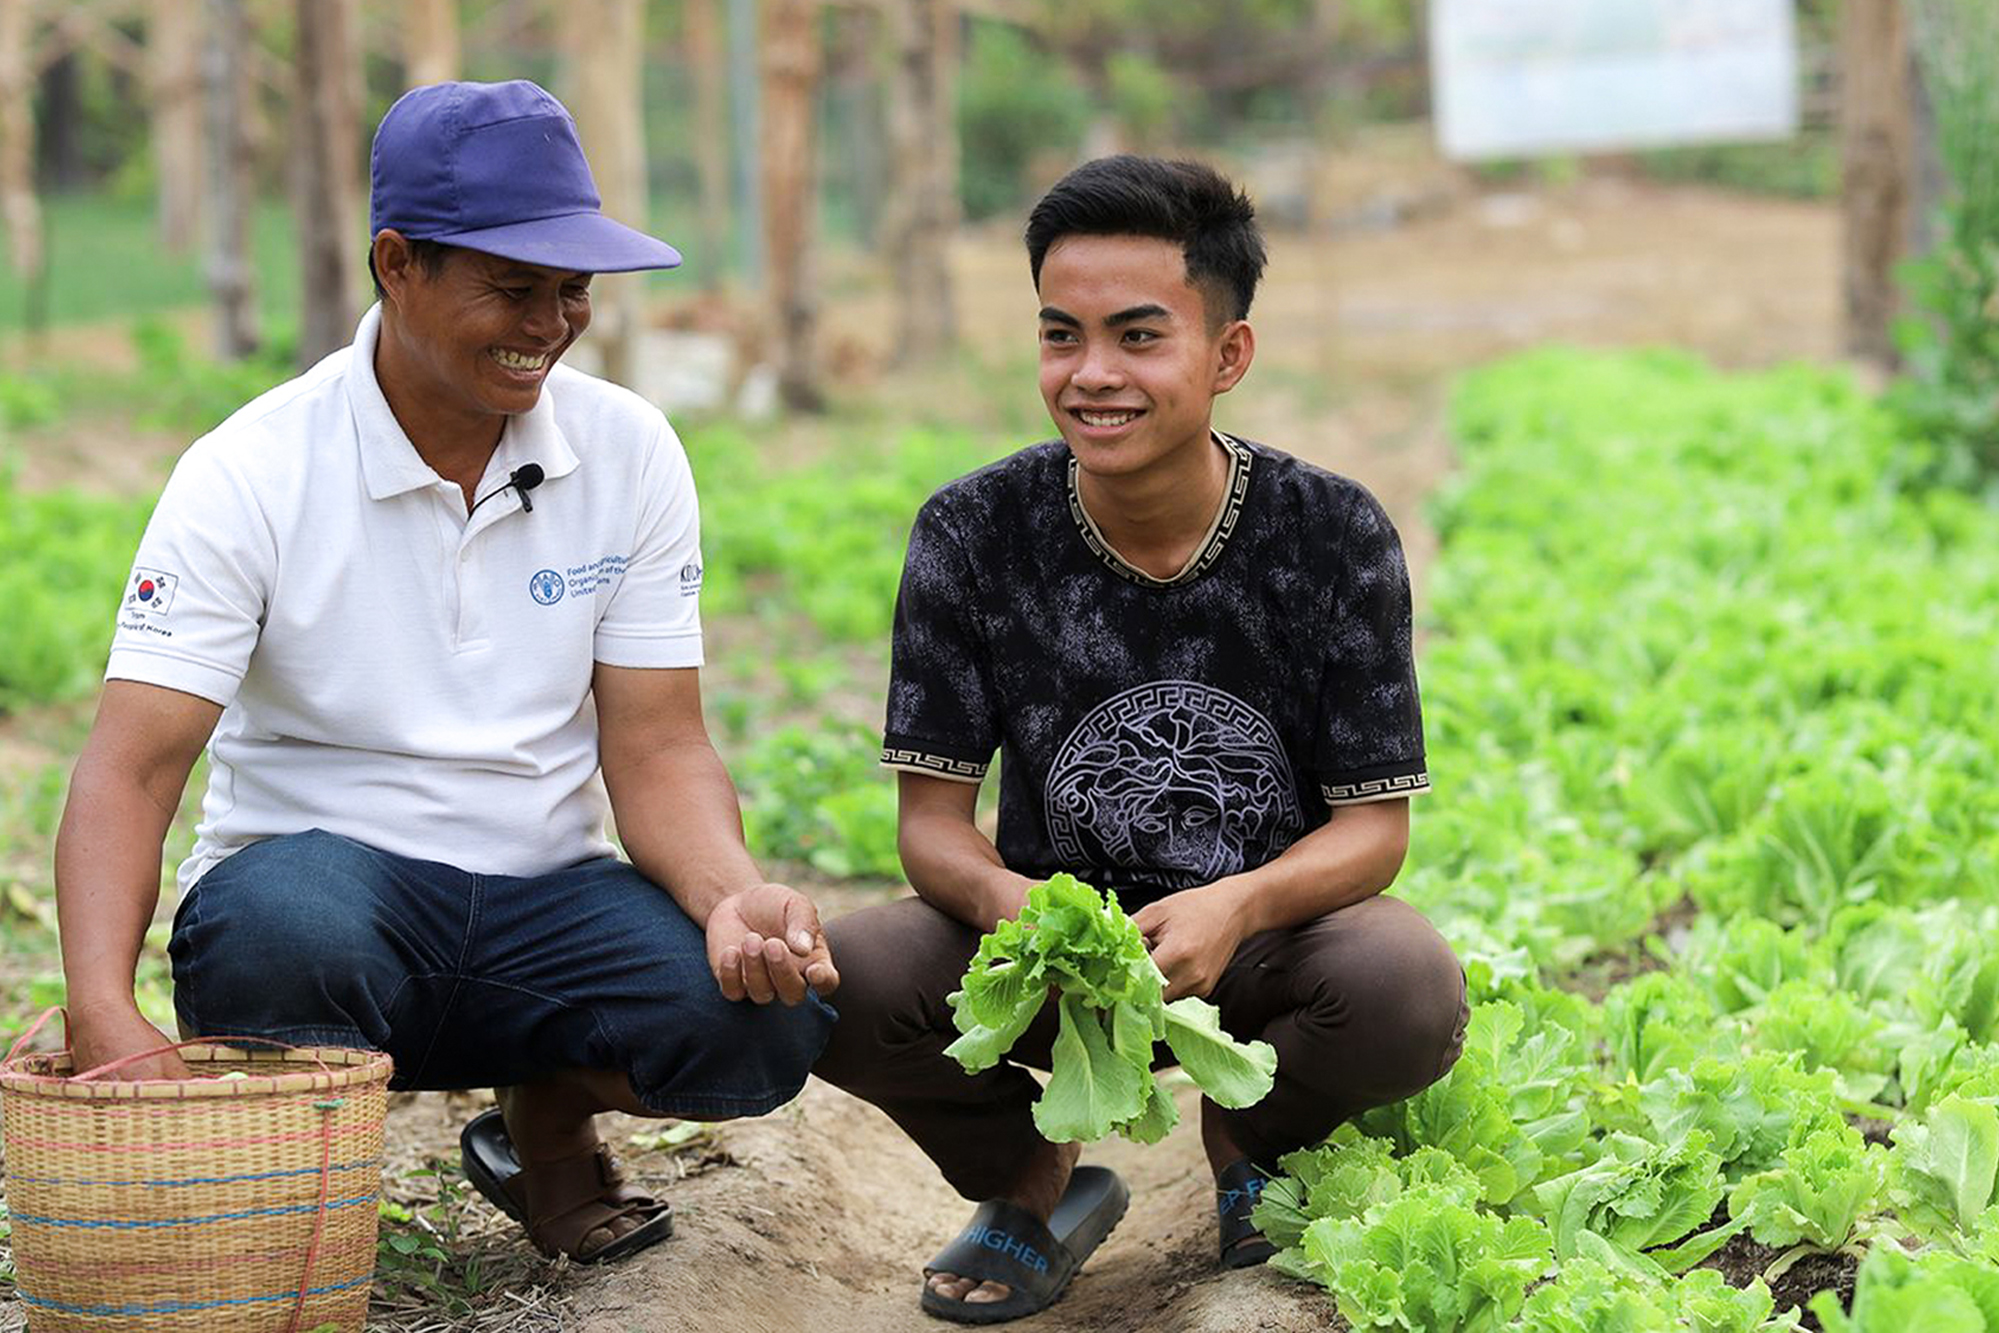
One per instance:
(100, 1038)
(1192, 935)
(765, 943)
(122, 797)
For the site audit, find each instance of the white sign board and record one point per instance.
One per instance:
(1519, 78)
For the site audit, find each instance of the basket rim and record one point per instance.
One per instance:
(346, 1066)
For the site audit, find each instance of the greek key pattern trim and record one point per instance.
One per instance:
(1211, 548)
(1376, 789)
(937, 765)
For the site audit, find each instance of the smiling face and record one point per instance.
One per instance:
(473, 342)
(1130, 359)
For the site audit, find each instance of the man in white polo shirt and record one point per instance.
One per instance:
(432, 607)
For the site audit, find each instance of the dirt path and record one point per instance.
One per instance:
(829, 1215)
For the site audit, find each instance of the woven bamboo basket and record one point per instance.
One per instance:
(214, 1203)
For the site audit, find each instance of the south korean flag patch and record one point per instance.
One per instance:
(150, 593)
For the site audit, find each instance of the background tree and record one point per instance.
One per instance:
(430, 41)
(326, 172)
(603, 44)
(226, 84)
(745, 116)
(790, 67)
(854, 114)
(923, 198)
(173, 63)
(18, 205)
(707, 57)
(1877, 168)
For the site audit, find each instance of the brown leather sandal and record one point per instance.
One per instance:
(563, 1201)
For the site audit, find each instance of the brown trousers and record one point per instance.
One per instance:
(1365, 1006)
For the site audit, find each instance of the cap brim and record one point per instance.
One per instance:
(580, 242)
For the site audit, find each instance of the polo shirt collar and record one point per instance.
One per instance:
(390, 464)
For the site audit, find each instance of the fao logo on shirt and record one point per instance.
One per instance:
(546, 587)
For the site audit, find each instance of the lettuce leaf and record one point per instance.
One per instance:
(1347, 1175)
(1508, 1110)
(1945, 1169)
(1080, 946)
(1893, 1293)
(1426, 1260)
(1750, 1110)
(1092, 1087)
(1823, 1195)
(1635, 1196)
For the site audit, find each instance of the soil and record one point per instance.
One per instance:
(822, 1215)
(1742, 1261)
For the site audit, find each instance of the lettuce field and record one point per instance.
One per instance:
(1709, 694)
(1708, 682)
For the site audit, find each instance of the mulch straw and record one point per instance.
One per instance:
(222, 1204)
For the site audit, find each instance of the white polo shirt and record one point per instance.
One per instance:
(389, 670)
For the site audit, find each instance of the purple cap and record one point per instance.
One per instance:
(497, 167)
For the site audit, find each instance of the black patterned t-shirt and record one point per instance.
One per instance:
(1156, 734)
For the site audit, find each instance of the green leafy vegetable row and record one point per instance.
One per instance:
(1704, 671)
(63, 559)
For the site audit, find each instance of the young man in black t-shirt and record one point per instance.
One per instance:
(1193, 654)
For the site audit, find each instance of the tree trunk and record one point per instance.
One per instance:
(19, 207)
(856, 116)
(924, 194)
(1932, 182)
(173, 50)
(325, 173)
(1877, 166)
(60, 150)
(604, 48)
(225, 77)
(707, 59)
(745, 87)
(790, 77)
(430, 42)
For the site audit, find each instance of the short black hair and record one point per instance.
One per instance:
(429, 255)
(1188, 203)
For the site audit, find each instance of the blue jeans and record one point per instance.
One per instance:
(480, 980)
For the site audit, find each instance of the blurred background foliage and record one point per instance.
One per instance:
(1149, 74)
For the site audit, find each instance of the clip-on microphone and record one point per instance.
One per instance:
(523, 479)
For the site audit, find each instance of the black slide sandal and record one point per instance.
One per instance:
(487, 1155)
(1236, 1191)
(1005, 1243)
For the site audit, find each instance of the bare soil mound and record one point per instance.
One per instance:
(828, 1215)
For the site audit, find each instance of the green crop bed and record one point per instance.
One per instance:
(1701, 674)
(63, 559)
(1709, 693)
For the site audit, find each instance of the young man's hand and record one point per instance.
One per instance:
(1192, 935)
(765, 944)
(100, 1037)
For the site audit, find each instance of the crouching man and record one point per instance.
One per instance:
(1193, 653)
(432, 608)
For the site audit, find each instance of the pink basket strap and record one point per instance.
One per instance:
(42, 1021)
(326, 1110)
(193, 1041)
(37, 1026)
